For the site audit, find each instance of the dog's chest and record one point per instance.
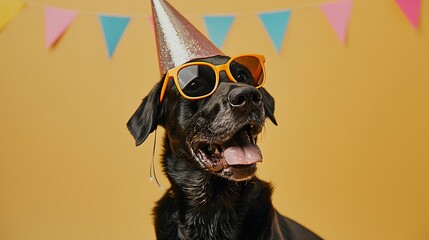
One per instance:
(216, 216)
(222, 224)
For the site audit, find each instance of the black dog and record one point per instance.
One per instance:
(210, 198)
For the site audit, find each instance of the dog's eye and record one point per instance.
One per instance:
(242, 76)
(193, 85)
(197, 87)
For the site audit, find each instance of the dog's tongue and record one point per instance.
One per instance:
(242, 155)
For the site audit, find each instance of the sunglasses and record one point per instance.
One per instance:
(197, 80)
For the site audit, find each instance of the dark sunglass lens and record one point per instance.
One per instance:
(197, 80)
(253, 65)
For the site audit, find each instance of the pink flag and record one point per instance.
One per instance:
(152, 24)
(338, 14)
(56, 22)
(411, 9)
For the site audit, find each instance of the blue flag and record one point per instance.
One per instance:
(218, 27)
(113, 28)
(276, 23)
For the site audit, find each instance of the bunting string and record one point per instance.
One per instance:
(59, 19)
(32, 3)
(86, 12)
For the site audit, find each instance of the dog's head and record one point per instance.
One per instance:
(216, 134)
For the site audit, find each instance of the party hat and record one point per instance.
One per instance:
(177, 40)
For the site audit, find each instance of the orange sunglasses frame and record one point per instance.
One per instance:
(172, 73)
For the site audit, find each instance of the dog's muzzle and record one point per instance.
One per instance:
(235, 154)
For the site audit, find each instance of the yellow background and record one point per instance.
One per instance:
(349, 159)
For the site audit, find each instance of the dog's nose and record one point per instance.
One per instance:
(242, 96)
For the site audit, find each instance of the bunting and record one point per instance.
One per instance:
(8, 10)
(113, 28)
(338, 14)
(57, 20)
(218, 27)
(411, 9)
(276, 23)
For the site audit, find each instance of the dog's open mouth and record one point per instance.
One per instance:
(235, 157)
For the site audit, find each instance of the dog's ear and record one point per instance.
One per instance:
(146, 117)
(268, 105)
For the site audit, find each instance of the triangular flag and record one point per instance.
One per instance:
(338, 15)
(411, 9)
(152, 24)
(218, 27)
(276, 23)
(8, 10)
(57, 21)
(113, 28)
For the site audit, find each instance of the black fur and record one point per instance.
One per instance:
(207, 201)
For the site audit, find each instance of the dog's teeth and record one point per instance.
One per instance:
(216, 151)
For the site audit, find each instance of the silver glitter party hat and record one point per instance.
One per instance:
(177, 40)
